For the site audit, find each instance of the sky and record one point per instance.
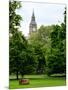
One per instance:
(45, 14)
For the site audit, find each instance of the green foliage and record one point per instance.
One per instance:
(49, 45)
(57, 58)
(40, 41)
(44, 51)
(28, 63)
(21, 56)
(15, 37)
(17, 44)
(13, 17)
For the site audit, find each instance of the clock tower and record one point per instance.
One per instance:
(33, 25)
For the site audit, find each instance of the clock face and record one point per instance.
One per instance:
(33, 29)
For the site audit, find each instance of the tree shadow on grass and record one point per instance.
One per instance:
(46, 78)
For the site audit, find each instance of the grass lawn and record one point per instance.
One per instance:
(39, 81)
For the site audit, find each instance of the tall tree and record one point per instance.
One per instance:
(21, 57)
(17, 44)
(16, 40)
(57, 58)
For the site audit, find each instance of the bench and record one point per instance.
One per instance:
(24, 81)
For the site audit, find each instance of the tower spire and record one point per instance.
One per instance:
(33, 16)
(33, 25)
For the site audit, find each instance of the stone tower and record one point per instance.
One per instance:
(33, 25)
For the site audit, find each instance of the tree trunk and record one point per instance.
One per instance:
(17, 75)
(22, 76)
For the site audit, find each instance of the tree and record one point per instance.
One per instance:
(28, 63)
(14, 36)
(21, 57)
(40, 40)
(17, 44)
(57, 58)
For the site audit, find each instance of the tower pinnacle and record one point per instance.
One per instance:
(33, 25)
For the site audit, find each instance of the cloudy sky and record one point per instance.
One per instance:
(45, 14)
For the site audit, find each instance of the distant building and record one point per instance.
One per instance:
(33, 25)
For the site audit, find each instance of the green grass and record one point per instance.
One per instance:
(39, 81)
